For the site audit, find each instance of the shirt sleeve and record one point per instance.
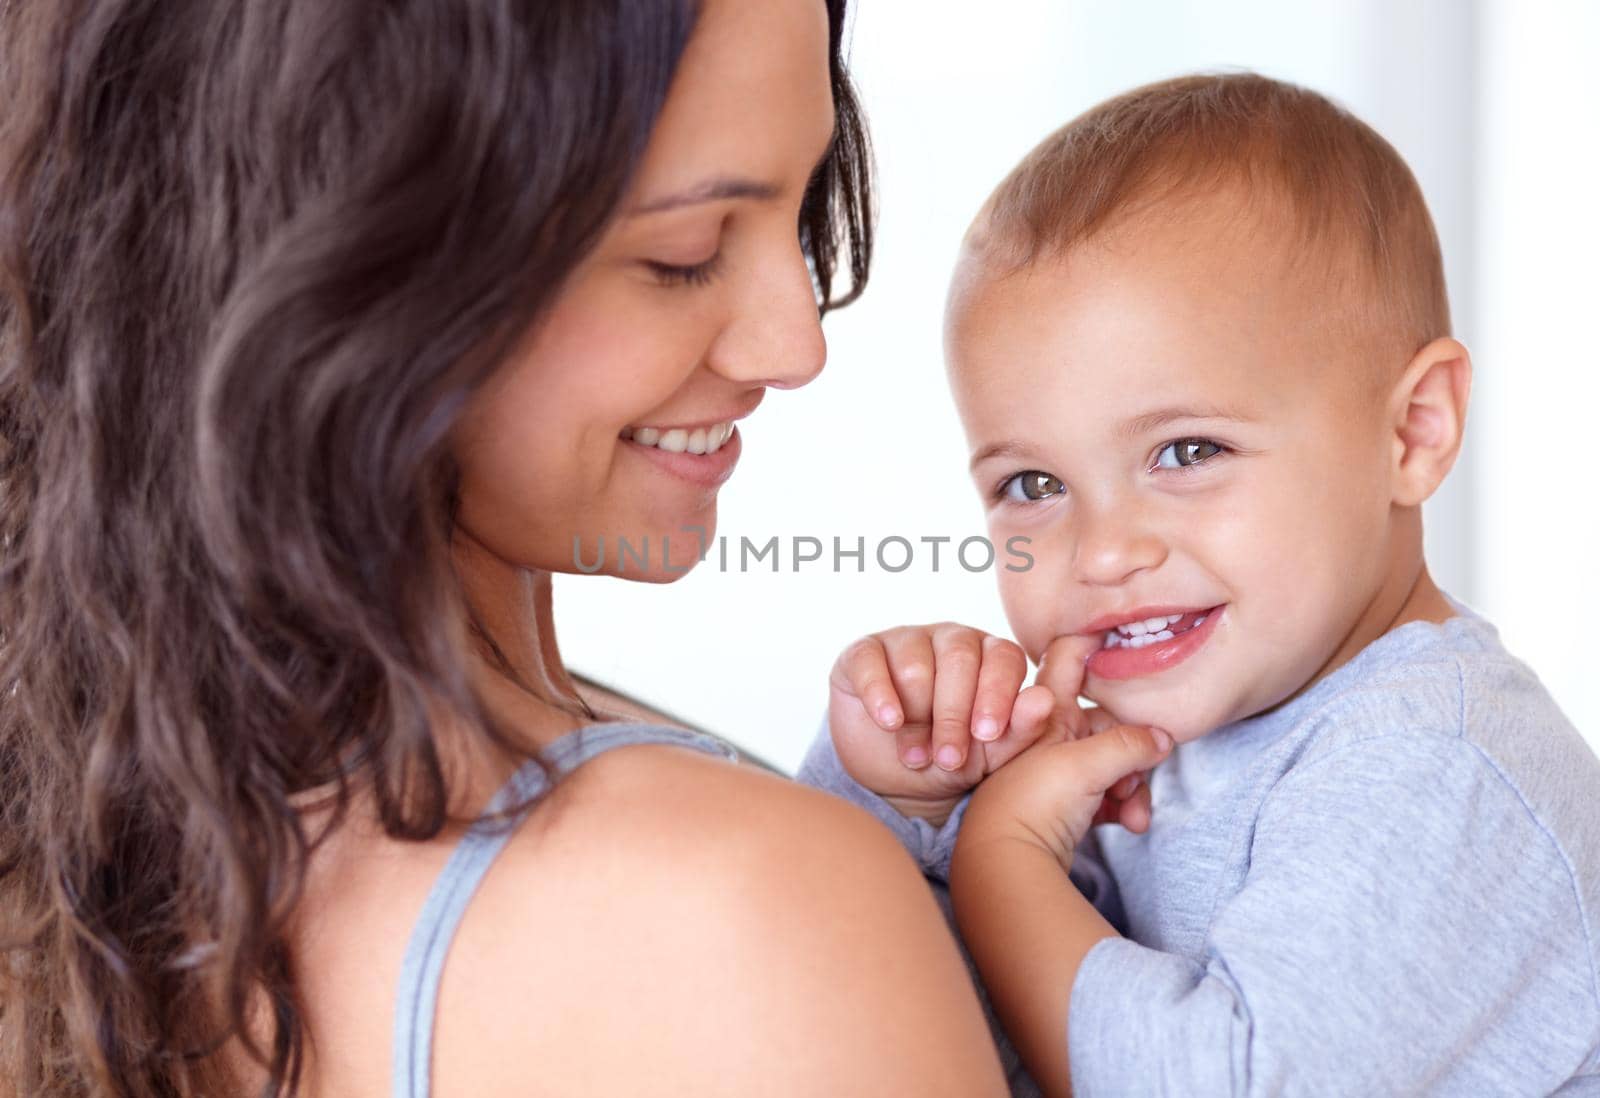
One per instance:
(1406, 926)
(1093, 878)
(930, 847)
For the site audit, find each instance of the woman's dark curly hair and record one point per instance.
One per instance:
(254, 259)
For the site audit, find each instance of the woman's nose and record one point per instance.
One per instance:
(775, 336)
(1114, 543)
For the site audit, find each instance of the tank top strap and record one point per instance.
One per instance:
(447, 901)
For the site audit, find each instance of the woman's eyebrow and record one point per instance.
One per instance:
(726, 187)
(713, 190)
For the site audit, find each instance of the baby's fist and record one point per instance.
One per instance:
(921, 714)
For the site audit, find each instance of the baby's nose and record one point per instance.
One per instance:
(1113, 545)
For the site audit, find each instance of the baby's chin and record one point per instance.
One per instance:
(1177, 712)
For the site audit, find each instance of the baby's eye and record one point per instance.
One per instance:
(1030, 487)
(1184, 452)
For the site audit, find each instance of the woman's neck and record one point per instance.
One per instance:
(516, 662)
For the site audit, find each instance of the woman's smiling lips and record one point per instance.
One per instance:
(706, 470)
(1128, 651)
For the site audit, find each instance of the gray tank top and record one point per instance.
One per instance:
(459, 879)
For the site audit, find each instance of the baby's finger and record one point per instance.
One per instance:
(1110, 811)
(1096, 719)
(999, 681)
(1106, 757)
(959, 654)
(1134, 813)
(911, 666)
(1061, 666)
(1030, 720)
(863, 672)
(911, 745)
(1030, 715)
(910, 655)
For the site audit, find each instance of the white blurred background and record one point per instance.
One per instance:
(1494, 105)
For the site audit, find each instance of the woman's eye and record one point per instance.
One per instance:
(1031, 486)
(1186, 452)
(699, 274)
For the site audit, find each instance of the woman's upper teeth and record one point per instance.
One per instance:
(678, 440)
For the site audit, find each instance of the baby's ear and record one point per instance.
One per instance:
(1428, 411)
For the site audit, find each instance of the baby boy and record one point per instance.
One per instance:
(1322, 834)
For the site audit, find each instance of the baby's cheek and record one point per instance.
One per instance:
(1028, 611)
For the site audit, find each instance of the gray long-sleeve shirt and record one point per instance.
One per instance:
(1388, 886)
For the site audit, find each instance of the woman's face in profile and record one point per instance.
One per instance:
(695, 300)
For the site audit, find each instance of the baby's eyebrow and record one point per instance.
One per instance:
(1140, 424)
(1146, 422)
(1008, 448)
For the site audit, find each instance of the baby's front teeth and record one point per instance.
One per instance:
(1137, 634)
(1149, 625)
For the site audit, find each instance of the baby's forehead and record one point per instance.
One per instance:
(1226, 266)
(1232, 250)
(1206, 258)
(1238, 233)
(1216, 312)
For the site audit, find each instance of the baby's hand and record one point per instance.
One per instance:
(921, 714)
(1082, 769)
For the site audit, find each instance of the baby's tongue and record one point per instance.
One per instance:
(1187, 622)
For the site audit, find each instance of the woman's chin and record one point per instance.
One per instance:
(658, 553)
(673, 568)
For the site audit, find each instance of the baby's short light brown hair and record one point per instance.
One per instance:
(1355, 208)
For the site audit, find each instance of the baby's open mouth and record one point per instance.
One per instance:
(1150, 645)
(1139, 634)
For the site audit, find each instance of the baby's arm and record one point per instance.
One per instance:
(1026, 924)
(928, 830)
(1405, 926)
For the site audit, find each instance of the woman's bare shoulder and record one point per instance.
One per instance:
(670, 922)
